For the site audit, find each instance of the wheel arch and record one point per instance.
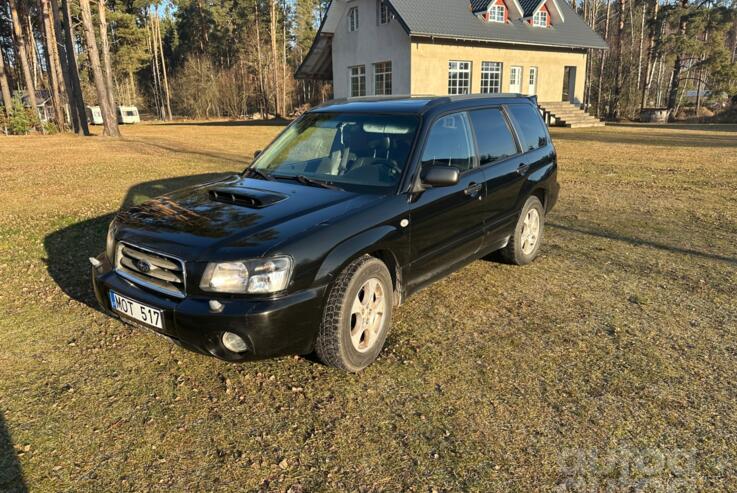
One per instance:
(379, 242)
(542, 194)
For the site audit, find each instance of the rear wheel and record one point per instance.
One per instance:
(524, 245)
(357, 316)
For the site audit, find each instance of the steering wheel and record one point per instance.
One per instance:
(390, 164)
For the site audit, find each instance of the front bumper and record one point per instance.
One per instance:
(271, 327)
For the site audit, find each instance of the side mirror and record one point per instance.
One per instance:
(441, 176)
(257, 153)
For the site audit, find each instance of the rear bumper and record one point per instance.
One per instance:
(271, 327)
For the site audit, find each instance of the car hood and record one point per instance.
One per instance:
(234, 218)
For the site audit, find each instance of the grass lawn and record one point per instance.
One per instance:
(610, 361)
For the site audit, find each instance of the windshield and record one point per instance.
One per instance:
(356, 152)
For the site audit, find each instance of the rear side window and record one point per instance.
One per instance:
(493, 135)
(449, 143)
(530, 125)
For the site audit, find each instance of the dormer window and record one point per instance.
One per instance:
(385, 16)
(353, 19)
(498, 13)
(540, 19)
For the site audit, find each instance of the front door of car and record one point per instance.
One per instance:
(447, 222)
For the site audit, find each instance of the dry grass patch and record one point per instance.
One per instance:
(609, 361)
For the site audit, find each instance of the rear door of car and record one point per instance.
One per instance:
(501, 159)
(447, 222)
(538, 155)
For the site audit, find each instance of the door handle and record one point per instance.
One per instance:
(473, 189)
(523, 169)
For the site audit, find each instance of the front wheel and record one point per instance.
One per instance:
(357, 316)
(524, 245)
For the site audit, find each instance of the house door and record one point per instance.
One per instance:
(515, 80)
(532, 86)
(569, 84)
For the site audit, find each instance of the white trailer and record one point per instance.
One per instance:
(128, 114)
(94, 115)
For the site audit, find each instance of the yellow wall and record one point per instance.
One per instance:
(429, 66)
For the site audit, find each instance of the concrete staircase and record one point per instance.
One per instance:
(563, 114)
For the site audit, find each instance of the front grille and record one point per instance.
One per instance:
(150, 269)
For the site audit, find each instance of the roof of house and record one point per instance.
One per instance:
(455, 20)
(458, 22)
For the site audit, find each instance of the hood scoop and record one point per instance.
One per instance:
(246, 197)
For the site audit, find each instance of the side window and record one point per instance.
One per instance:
(493, 136)
(449, 143)
(530, 126)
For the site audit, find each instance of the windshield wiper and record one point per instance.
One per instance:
(309, 181)
(258, 173)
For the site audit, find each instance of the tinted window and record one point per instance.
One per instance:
(449, 143)
(493, 136)
(530, 125)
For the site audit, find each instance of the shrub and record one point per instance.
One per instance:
(50, 128)
(23, 120)
(3, 120)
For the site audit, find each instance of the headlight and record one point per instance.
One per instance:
(110, 242)
(269, 275)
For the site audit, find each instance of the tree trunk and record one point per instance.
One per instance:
(51, 63)
(167, 94)
(604, 55)
(155, 68)
(131, 88)
(262, 87)
(614, 108)
(677, 67)
(5, 86)
(593, 13)
(20, 43)
(33, 54)
(700, 76)
(650, 71)
(105, 47)
(284, 66)
(641, 48)
(55, 54)
(662, 84)
(109, 118)
(274, 59)
(68, 60)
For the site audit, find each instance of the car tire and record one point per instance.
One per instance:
(357, 316)
(524, 245)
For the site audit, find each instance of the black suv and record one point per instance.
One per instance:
(355, 206)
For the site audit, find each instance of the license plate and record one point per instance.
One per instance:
(138, 311)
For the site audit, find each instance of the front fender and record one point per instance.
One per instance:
(385, 238)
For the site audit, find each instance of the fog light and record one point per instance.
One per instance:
(234, 343)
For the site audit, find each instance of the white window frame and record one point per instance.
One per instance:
(532, 78)
(519, 71)
(357, 73)
(385, 15)
(353, 19)
(462, 69)
(497, 13)
(491, 77)
(540, 19)
(383, 78)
